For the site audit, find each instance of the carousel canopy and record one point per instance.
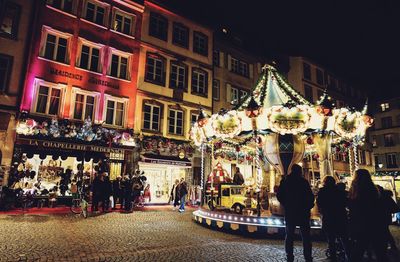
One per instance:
(282, 110)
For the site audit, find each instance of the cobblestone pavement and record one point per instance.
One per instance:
(156, 235)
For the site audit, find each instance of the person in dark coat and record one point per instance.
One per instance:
(175, 194)
(107, 193)
(128, 193)
(390, 207)
(332, 204)
(97, 187)
(183, 190)
(238, 177)
(117, 191)
(295, 195)
(367, 218)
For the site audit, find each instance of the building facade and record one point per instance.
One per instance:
(385, 136)
(311, 79)
(235, 71)
(78, 101)
(174, 80)
(15, 19)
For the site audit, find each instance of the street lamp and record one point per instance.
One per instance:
(253, 110)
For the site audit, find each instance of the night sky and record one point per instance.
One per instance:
(359, 41)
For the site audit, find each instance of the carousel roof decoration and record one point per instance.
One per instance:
(283, 110)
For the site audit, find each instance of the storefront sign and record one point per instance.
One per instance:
(165, 162)
(98, 81)
(70, 146)
(58, 72)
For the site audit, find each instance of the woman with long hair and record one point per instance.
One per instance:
(332, 204)
(366, 217)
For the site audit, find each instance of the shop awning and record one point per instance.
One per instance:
(165, 160)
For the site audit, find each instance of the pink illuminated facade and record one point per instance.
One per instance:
(83, 61)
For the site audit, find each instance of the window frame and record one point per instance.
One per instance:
(393, 160)
(216, 90)
(185, 82)
(152, 105)
(176, 111)
(46, 30)
(196, 48)
(317, 78)
(61, 9)
(37, 84)
(97, 4)
(15, 19)
(195, 115)
(124, 14)
(216, 58)
(388, 143)
(120, 54)
(306, 71)
(310, 88)
(163, 69)
(162, 18)
(196, 92)
(100, 47)
(242, 66)
(387, 122)
(116, 100)
(184, 28)
(75, 92)
(10, 61)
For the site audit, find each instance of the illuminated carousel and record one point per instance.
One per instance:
(272, 128)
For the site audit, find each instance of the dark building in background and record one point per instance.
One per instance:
(15, 21)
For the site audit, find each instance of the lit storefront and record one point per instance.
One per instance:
(164, 161)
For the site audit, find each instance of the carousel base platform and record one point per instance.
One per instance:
(234, 223)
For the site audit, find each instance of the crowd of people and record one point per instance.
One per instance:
(126, 191)
(359, 219)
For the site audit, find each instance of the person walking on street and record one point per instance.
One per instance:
(128, 183)
(332, 203)
(117, 192)
(238, 177)
(97, 191)
(367, 217)
(295, 195)
(107, 192)
(175, 194)
(182, 194)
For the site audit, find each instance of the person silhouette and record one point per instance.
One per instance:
(297, 198)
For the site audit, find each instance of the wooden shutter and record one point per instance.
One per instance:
(221, 59)
(251, 71)
(229, 62)
(228, 92)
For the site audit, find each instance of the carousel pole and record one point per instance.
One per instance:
(355, 150)
(350, 161)
(202, 174)
(252, 111)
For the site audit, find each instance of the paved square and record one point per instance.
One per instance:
(155, 235)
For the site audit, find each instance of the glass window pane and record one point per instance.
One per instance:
(114, 65)
(85, 57)
(61, 50)
(42, 99)
(127, 26)
(79, 99)
(94, 63)
(54, 101)
(90, 11)
(123, 68)
(50, 46)
(118, 23)
(99, 15)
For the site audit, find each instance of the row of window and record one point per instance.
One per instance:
(235, 95)
(97, 12)
(55, 46)
(178, 76)
(49, 98)
(158, 27)
(234, 65)
(391, 161)
(153, 114)
(387, 122)
(327, 80)
(309, 95)
(388, 140)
